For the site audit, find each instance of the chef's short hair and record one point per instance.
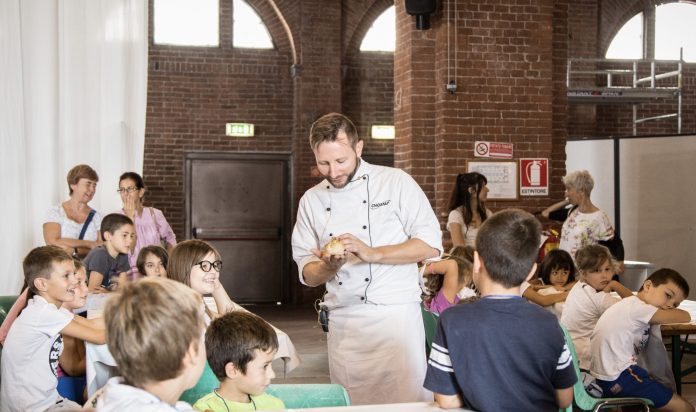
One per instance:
(327, 127)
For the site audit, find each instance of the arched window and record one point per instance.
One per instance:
(186, 23)
(249, 31)
(628, 42)
(382, 34)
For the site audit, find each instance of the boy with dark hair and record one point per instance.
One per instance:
(240, 347)
(108, 264)
(501, 352)
(624, 330)
(34, 343)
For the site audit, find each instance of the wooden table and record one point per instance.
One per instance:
(397, 407)
(675, 331)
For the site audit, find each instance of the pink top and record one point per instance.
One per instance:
(19, 304)
(439, 303)
(151, 228)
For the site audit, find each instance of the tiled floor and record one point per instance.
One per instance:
(300, 323)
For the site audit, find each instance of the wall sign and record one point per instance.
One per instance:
(493, 149)
(534, 177)
(501, 176)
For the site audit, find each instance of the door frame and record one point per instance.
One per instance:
(286, 231)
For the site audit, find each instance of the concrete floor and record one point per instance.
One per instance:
(300, 323)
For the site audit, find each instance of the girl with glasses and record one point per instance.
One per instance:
(151, 227)
(197, 264)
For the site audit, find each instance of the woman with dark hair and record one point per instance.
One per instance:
(151, 227)
(73, 225)
(467, 208)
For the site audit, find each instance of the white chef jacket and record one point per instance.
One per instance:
(380, 206)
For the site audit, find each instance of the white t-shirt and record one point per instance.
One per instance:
(71, 229)
(118, 397)
(556, 308)
(620, 335)
(30, 357)
(468, 233)
(583, 307)
(582, 229)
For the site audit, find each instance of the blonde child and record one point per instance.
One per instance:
(107, 265)
(240, 347)
(155, 332)
(590, 297)
(34, 343)
(152, 261)
(197, 264)
(624, 330)
(557, 273)
(448, 281)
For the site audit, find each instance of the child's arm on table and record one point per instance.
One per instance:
(544, 300)
(670, 316)
(81, 328)
(448, 401)
(615, 286)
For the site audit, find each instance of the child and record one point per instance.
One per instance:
(34, 343)
(152, 261)
(155, 332)
(590, 297)
(108, 264)
(197, 264)
(448, 281)
(241, 347)
(623, 331)
(499, 342)
(557, 271)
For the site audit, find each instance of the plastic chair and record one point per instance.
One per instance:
(430, 324)
(206, 383)
(586, 402)
(6, 303)
(310, 395)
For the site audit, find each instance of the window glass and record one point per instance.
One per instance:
(675, 27)
(628, 42)
(249, 30)
(186, 22)
(382, 34)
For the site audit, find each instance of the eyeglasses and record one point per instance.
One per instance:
(206, 265)
(127, 189)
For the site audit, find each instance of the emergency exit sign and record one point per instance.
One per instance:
(239, 129)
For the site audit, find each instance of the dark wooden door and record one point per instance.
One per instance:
(240, 203)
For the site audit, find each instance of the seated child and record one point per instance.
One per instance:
(34, 343)
(448, 281)
(590, 297)
(501, 353)
(557, 271)
(240, 347)
(623, 331)
(152, 261)
(107, 265)
(155, 332)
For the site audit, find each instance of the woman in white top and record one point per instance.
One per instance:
(586, 224)
(467, 208)
(73, 225)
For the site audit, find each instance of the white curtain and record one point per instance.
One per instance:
(73, 89)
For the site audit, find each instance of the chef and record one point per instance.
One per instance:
(386, 224)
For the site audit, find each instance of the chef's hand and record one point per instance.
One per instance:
(359, 248)
(332, 262)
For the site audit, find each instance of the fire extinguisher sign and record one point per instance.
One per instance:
(534, 177)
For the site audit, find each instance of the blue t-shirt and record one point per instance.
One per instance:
(99, 260)
(500, 355)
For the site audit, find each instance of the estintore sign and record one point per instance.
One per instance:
(534, 177)
(493, 149)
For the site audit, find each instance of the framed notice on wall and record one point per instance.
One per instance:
(503, 181)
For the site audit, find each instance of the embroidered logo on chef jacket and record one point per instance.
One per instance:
(378, 205)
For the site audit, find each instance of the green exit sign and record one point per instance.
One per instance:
(239, 129)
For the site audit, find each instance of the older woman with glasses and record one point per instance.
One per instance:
(73, 225)
(151, 228)
(467, 208)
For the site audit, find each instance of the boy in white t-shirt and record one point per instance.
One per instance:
(34, 343)
(155, 332)
(623, 331)
(590, 297)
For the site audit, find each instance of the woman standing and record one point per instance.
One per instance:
(73, 225)
(467, 208)
(151, 227)
(586, 224)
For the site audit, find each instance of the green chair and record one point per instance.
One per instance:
(586, 402)
(6, 303)
(430, 324)
(310, 395)
(206, 383)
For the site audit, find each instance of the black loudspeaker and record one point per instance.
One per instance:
(421, 9)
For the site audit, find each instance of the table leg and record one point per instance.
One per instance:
(676, 361)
